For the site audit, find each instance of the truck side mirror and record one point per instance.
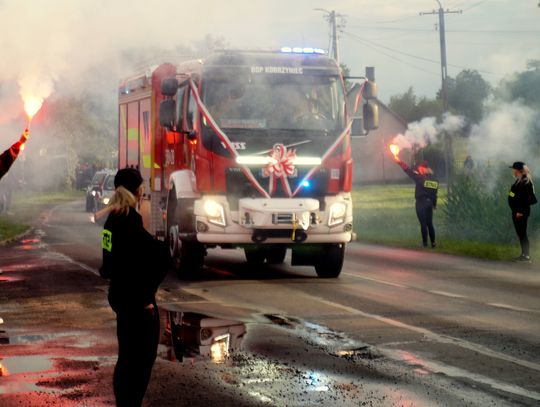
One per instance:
(357, 128)
(167, 114)
(371, 116)
(370, 87)
(370, 90)
(169, 87)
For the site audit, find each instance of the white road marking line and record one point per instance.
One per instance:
(445, 339)
(375, 279)
(446, 294)
(510, 307)
(68, 259)
(456, 372)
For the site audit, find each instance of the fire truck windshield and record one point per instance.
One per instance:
(277, 102)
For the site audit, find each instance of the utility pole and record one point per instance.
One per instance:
(332, 18)
(441, 12)
(334, 36)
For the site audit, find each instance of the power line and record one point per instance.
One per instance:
(432, 61)
(369, 45)
(475, 5)
(517, 32)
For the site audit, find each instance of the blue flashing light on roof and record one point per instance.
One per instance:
(305, 50)
(306, 184)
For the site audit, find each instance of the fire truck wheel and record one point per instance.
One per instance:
(276, 255)
(254, 256)
(188, 259)
(330, 261)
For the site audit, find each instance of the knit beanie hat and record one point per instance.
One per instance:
(129, 178)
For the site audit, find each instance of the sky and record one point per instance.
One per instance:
(49, 43)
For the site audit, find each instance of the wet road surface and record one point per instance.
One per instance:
(398, 327)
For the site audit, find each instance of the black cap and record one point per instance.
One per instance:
(518, 165)
(129, 178)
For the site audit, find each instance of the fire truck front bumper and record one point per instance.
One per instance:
(274, 220)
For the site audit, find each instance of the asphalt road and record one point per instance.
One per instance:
(399, 327)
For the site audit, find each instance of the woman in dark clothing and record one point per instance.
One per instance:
(520, 199)
(135, 263)
(426, 198)
(9, 156)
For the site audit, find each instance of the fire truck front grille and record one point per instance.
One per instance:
(238, 186)
(282, 218)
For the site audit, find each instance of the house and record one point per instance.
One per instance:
(373, 162)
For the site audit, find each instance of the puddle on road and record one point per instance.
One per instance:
(334, 342)
(9, 279)
(19, 364)
(191, 336)
(71, 339)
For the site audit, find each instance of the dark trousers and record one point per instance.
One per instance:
(521, 229)
(138, 337)
(424, 212)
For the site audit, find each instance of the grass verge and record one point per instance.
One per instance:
(27, 206)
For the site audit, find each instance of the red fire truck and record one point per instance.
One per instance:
(247, 150)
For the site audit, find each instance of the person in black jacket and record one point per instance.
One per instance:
(135, 263)
(9, 156)
(426, 198)
(520, 199)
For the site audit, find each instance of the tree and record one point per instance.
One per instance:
(412, 108)
(82, 127)
(404, 104)
(524, 86)
(467, 94)
(346, 71)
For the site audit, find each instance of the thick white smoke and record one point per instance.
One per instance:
(426, 131)
(503, 134)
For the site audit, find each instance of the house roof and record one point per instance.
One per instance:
(392, 113)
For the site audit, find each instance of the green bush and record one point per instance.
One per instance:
(477, 209)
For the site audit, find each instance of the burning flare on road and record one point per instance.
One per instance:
(394, 149)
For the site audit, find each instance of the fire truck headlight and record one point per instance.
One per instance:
(338, 210)
(106, 201)
(93, 193)
(214, 212)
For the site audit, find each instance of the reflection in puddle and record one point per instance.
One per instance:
(20, 364)
(192, 335)
(316, 382)
(6, 279)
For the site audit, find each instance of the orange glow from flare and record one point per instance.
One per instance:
(394, 149)
(32, 104)
(3, 370)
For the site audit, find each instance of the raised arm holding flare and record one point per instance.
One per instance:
(9, 156)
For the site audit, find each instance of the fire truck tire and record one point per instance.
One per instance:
(190, 259)
(330, 262)
(255, 256)
(276, 255)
